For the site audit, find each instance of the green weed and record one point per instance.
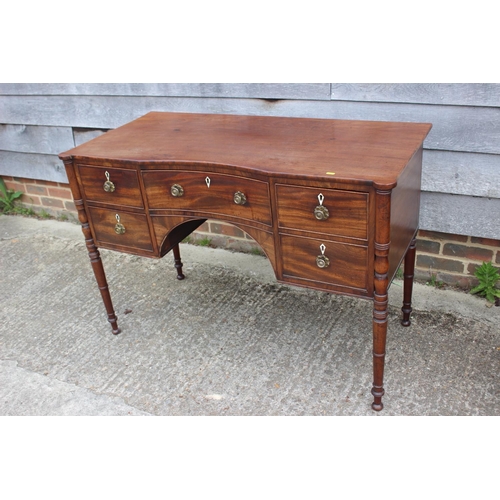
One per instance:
(488, 277)
(8, 197)
(434, 282)
(43, 214)
(203, 242)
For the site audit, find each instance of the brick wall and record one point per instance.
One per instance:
(53, 198)
(223, 235)
(451, 259)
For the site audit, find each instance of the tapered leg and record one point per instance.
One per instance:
(178, 262)
(408, 282)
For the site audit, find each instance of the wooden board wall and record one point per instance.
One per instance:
(461, 173)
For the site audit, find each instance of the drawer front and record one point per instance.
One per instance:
(347, 264)
(211, 193)
(124, 185)
(343, 213)
(136, 230)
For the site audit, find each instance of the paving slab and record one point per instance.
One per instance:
(228, 340)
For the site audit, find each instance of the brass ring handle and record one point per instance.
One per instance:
(321, 212)
(108, 186)
(322, 261)
(177, 190)
(240, 198)
(119, 227)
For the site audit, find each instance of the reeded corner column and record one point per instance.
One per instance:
(381, 284)
(95, 258)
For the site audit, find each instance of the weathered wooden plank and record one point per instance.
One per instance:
(455, 214)
(455, 128)
(472, 174)
(32, 166)
(82, 135)
(242, 90)
(35, 139)
(463, 94)
(470, 94)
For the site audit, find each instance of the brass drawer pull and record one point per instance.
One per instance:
(240, 198)
(177, 190)
(108, 186)
(322, 261)
(119, 228)
(321, 212)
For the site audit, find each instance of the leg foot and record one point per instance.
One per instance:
(408, 282)
(377, 404)
(114, 326)
(178, 262)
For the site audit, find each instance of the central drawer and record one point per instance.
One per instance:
(213, 194)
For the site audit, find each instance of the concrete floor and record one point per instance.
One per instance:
(228, 340)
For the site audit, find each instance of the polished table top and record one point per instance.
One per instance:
(356, 151)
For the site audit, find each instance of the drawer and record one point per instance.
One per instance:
(348, 264)
(213, 194)
(124, 190)
(346, 212)
(136, 233)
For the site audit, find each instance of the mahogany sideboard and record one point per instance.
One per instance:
(334, 204)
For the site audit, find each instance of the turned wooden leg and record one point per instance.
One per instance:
(178, 262)
(95, 258)
(408, 282)
(379, 341)
(380, 314)
(100, 277)
(380, 295)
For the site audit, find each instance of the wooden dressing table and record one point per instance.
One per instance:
(333, 203)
